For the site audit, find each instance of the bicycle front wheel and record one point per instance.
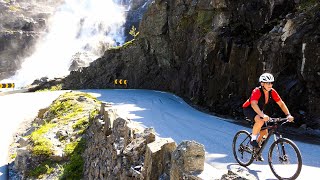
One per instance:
(285, 159)
(242, 150)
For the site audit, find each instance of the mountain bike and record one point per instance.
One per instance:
(284, 156)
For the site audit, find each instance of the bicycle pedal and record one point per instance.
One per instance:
(259, 158)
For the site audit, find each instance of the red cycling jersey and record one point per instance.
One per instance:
(256, 94)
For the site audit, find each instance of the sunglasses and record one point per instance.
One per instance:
(269, 83)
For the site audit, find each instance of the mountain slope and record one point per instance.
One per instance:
(212, 52)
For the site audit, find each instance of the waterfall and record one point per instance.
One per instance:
(86, 27)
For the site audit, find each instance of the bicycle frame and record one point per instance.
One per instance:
(272, 130)
(282, 151)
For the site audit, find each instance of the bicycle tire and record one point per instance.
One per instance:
(242, 148)
(285, 159)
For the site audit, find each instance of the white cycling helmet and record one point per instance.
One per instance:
(266, 77)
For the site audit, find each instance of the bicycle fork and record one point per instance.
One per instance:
(281, 150)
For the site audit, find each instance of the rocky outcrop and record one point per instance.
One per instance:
(213, 51)
(130, 152)
(187, 160)
(22, 23)
(53, 139)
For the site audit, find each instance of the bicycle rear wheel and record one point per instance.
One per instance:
(285, 159)
(242, 150)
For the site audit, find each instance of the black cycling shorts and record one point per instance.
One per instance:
(249, 113)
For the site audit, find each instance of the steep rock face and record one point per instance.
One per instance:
(134, 15)
(213, 51)
(13, 45)
(22, 22)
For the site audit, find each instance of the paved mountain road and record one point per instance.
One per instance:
(169, 115)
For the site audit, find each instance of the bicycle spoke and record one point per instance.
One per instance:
(241, 148)
(285, 159)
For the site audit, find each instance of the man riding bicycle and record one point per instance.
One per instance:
(254, 106)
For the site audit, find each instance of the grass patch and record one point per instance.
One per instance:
(82, 123)
(93, 114)
(46, 167)
(69, 106)
(65, 108)
(74, 168)
(77, 110)
(42, 145)
(59, 108)
(52, 88)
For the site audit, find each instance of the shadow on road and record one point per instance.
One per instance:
(4, 173)
(244, 170)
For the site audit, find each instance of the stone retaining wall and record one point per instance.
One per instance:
(119, 148)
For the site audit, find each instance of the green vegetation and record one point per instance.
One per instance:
(61, 108)
(204, 20)
(307, 4)
(76, 110)
(126, 44)
(74, 168)
(81, 123)
(133, 32)
(70, 147)
(66, 109)
(46, 167)
(52, 88)
(13, 156)
(13, 8)
(42, 145)
(93, 113)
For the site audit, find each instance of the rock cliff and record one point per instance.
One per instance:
(213, 51)
(22, 23)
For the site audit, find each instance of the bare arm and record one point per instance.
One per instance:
(285, 110)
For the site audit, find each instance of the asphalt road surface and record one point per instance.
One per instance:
(169, 115)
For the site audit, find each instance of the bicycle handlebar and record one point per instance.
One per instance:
(278, 119)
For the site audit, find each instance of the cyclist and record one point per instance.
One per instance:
(254, 106)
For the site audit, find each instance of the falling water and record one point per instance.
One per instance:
(78, 26)
(303, 59)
